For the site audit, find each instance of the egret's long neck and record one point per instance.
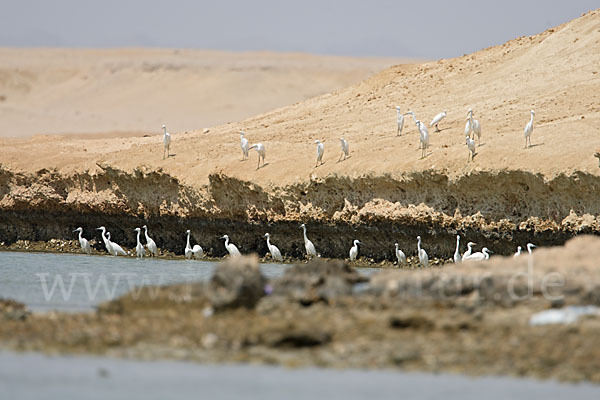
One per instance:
(457, 243)
(188, 240)
(146, 234)
(104, 236)
(304, 230)
(138, 237)
(419, 245)
(80, 232)
(268, 242)
(531, 120)
(226, 241)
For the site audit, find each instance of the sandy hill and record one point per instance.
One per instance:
(137, 90)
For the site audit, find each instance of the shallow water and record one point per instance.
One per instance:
(35, 376)
(73, 282)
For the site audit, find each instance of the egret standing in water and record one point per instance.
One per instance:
(423, 138)
(518, 253)
(320, 150)
(190, 251)
(308, 245)
(482, 255)
(354, 250)
(474, 126)
(166, 141)
(423, 258)
(399, 121)
(345, 149)
(437, 119)
(112, 248)
(457, 257)
(528, 130)
(530, 247)
(83, 242)
(244, 146)
(400, 256)
(471, 146)
(469, 250)
(139, 247)
(260, 149)
(275, 253)
(230, 247)
(150, 243)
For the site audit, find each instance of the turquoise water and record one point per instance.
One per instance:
(72, 282)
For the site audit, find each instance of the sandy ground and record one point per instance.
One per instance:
(46, 91)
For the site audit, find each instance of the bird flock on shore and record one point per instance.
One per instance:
(196, 251)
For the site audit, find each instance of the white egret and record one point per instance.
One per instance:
(528, 130)
(530, 247)
(457, 257)
(320, 150)
(469, 250)
(437, 119)
(139, 247)
(190, 251)
(115, 249)
(423, 258)
(399, 121)
(308, 245)
(260, 149)
(471, 146)
(166, 141)
(231, 248)
(518, 253)
(354, 250)
(423, 138)
(412, 113)
(475, 126)
(275, 253)
(105, 239)
(150, 243)
(345, 149)
(400, 256)
(244, 146)
(83, 242)
(484, 254)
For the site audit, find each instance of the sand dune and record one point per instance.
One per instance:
(80, 91)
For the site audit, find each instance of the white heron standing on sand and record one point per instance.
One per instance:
(528, 130)
(105, 239)
(437, 119)
(166, 141)
(116, 249)
(150, 243)
(260, 149)
(399, 121)
(530, 247)
(423, 258)
(473, 126)
(83, 242)
(471, 146)
(518, 253)
(484, 254)
(244, 146)
(423, 138)
(469, 250)
(190, 251)
(320, 150)
(139, 247)
(275, 253)
(230, 247)
(400, 256)
(354, 250)
(308, 245)
(457, 257)
(345, 149)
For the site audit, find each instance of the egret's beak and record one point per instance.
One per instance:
(76, 230)
(491, 252)
(98, 229)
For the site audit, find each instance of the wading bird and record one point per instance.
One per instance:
(400, 256)
(115, 249)
(83, 242)
(244, 146)
(166, 141)
(412, 113)
(423, 138)
(437, 119)
(230, 247)
(260, 149)
(471, 146)
(105, 239)
(190, 251)
(320, 150)
(529, 130)
(308, 245)
(399, 121)
(150, 243)
(423, 258)
(275, 253)
(518, 253)
(475, 127)
(345, 149)
(482, 255)
(457, 257)
(469, 250)
(139, 247)
(354, 250)
(530, 247)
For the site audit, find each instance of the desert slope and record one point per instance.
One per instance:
(507, 195)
